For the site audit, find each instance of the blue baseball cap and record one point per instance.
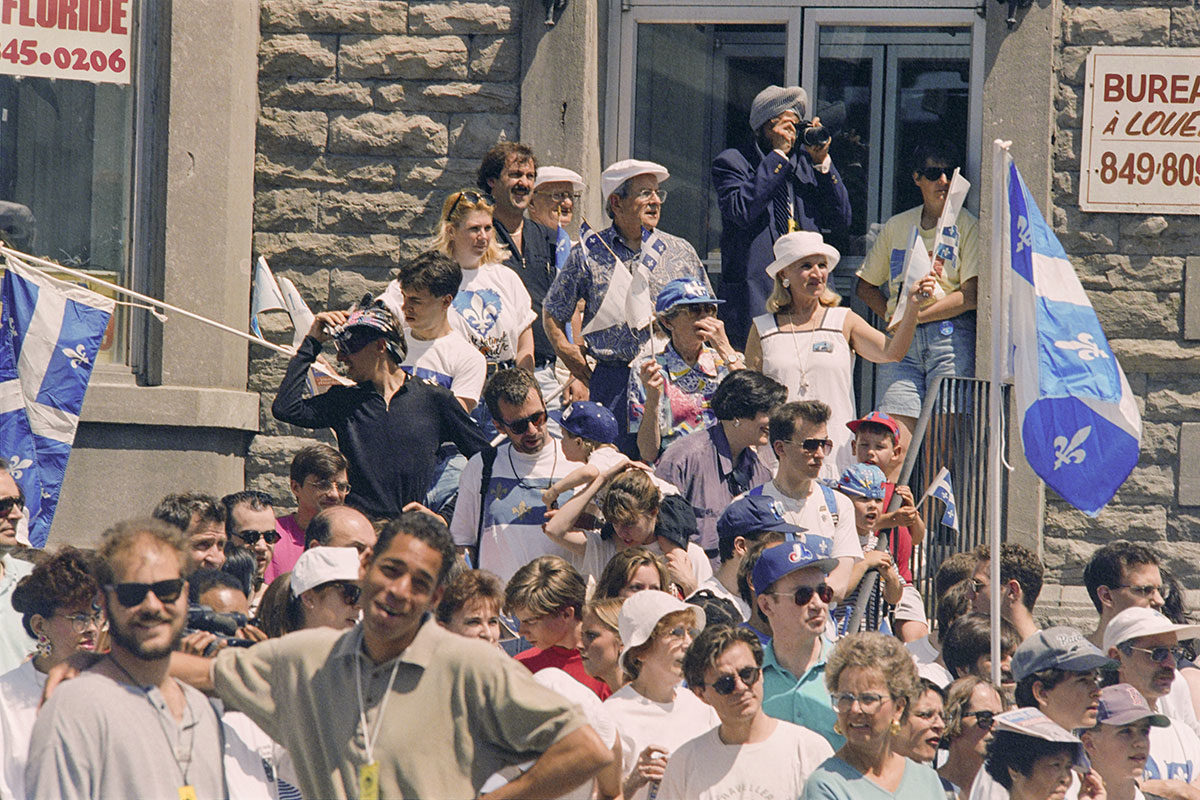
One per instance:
(1061, 647)
(684, 292)
(753, 513)
(786, 557)
(862, 480)
(591, 421)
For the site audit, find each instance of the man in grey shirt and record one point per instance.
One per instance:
(124, 728)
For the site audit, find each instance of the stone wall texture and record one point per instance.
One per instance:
(370, 113)
(1133, 267)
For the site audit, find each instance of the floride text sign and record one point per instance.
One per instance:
(81, 40)
(1141, 131)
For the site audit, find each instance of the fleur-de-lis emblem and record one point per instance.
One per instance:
(78, 356)
(1070, 452)
(18, 465)
(1085, 346)
(1024, 235)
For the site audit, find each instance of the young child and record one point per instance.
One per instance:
(877, 442)
(863, 484)
(589, 430)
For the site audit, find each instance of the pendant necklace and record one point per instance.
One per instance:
(802, 388)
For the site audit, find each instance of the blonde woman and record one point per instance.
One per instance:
(808, 343)
(492, 308)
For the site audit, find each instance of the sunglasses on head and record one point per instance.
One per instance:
(519, 426)
(804, 594)
(131, 595)
(470, 197)
(251, 537)
(7, 504)
(725, 684)
(984, 720)
(935, 173)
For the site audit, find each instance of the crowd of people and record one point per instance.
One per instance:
(564, 550)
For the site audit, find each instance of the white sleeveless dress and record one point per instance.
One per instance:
(815, 365)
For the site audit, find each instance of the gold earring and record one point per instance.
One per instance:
(895, 727)
(837, 728)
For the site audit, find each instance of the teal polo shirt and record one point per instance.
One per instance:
(804, 700)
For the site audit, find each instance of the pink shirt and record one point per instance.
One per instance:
(287, 549)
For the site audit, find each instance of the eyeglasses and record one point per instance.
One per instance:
(81, 622)
(646, 194)
(519, 426)
(7, 504)
(804, 594)
(1148, 590)
(824, 446)
(680, 631)
(935, 173)
(132, 595)
(328, 486)
(984, 720)
(251, 537)
(562, 197)
(1159, 654)
(350, 591)
(868, 702)
(471, 197)
(725, 684)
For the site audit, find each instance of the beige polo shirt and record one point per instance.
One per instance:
(460, 710)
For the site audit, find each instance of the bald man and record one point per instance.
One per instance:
(341, 526)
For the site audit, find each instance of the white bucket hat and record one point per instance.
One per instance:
(320, 565)
(556, 174)
(621, 171)
(642, 611)
(791, 247)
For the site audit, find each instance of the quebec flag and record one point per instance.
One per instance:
(1079, 422)
(51, 334)
(943, 490)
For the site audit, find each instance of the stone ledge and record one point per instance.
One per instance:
(183, 406)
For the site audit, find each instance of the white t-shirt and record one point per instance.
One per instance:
(816, 518)
(925, 655)
(448, 361)
(1174, 754)
(492, 309)
(705, 768)
(641, 722)
(20, 693)
(599, 551)
(512, 524)
(1177, 704)
(714, 585)
(593, 710)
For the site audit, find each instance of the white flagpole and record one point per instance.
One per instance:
(1000, 347)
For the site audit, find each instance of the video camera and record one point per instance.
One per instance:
(814, 136)
(224, 625)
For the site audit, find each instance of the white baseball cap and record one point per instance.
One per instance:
(642, 611)
(320, 565)
(621, 171)
(1133, 623)
(557, 174)
(791, 247)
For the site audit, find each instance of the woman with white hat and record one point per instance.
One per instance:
(806, 342)
(654, 714)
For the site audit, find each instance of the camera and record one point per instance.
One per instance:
(814, 136)
(224, 625)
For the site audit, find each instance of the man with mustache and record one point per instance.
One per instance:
(124, 727)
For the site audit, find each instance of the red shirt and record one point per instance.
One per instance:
(569, 661)
(899, 539)
(287, 550)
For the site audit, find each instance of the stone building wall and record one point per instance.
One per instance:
(1133, 267)
(370, 113)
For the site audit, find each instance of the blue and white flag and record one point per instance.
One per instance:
(1079, 421)
(941, 488)
(627, 300)
(51, 334)
(264, 296)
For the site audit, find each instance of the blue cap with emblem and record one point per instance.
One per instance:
(787, 557)
(862, 480)
(590, 421)
(754, 513)
(684, 292)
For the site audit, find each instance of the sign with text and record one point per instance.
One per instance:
(1141, 131)
(80, 40)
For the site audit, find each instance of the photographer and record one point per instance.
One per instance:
(218, 614)
(782, 182)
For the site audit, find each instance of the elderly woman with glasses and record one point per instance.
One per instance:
(972, 704)
(671, 385)
(492, 309)
(808, 343)
(58, 606)
(873, 685)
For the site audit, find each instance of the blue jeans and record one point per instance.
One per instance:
(938, 348)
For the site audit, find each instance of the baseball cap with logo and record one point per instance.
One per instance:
(862, 480)
(1030, 721)
(879, 418)
(684, 292)
(789, 556)
(591, 421)
(754, 513)
(1060, 647)
(1121, 704)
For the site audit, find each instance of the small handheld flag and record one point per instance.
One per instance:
(941, 488)
(265, 296)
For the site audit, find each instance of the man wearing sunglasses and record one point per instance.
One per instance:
(801, 443)
(124, 727)
(250, 523)
(723, 667)
(15, 642)
(944, 342)
(1145, 645)
(388, 427)
(791, 590)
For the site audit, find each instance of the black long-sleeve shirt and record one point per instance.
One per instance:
(391, 447)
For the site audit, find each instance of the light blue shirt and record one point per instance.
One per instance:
(837, 780)
(15, 644)
(804, 700)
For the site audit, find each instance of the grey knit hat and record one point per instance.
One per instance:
(774, 100)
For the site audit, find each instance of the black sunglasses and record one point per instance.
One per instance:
(725, 684)
(471, 197)
(804, 594)
(355, 342)
(350, 591)
(7, 504)
(984, 720)
(131, 595)
(934, 173)
(518, 426)
(251, 537)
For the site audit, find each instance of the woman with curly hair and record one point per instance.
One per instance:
(58, 606)
(873, 684)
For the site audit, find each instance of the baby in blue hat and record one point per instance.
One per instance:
(863, 484)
